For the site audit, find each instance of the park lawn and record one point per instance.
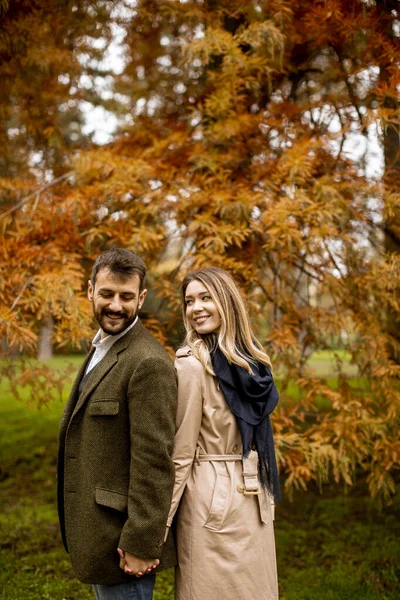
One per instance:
(333, 546)
(323, 363)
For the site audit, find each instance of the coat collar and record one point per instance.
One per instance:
(104, 366)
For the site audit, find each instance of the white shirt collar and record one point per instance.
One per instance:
(109, 340)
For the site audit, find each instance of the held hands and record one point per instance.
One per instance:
(135, 565)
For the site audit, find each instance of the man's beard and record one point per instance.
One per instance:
(119, 326)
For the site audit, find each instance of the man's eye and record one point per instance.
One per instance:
(126, 298)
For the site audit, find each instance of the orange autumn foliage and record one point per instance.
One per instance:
(243, 144)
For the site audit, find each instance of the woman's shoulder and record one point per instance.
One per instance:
(186, 359)
(184, 351)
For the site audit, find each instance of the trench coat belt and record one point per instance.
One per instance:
(250, 485)
(250, 475)
(218, 457)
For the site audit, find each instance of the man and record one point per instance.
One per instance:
(115, 473)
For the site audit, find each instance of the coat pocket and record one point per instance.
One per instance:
(219, 500)
(111, 499)
(104, 408)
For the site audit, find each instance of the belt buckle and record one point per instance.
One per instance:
(241, 488)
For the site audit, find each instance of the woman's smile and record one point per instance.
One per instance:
(201, 319)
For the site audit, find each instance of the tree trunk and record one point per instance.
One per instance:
(45, 348)
(391, 146)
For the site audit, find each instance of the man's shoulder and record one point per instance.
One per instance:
(147, 345)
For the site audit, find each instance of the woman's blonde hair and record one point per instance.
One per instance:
(235, 337)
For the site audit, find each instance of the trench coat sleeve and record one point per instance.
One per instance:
(188, 422)
(152, 404)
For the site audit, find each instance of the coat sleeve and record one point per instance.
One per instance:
(188, 422)
(152, 397)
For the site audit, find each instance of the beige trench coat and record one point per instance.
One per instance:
(225, 538)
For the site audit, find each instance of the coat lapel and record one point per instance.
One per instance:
(106, 364)
(73, 396)
(96, 376)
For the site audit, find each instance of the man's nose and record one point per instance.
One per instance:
(115, 304)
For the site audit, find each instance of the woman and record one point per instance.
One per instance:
(226, 478)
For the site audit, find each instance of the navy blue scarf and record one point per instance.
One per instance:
(251, 398)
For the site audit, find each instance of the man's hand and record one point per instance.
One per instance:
(135, 565)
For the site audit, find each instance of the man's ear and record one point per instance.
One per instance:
(90, 291)
(142, 296)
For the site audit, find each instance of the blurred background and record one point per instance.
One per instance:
(258, 136)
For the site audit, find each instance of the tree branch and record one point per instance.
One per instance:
(36, 193)
(18, 298)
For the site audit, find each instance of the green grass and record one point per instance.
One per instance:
(336, 546)
(323, 363)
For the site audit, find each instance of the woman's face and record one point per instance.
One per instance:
(201, 311)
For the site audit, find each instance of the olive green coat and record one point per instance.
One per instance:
(115, 472)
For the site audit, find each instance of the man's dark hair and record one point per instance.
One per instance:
(122, 263)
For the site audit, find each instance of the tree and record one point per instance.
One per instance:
(390, 110)
(235, 150)
(45, 79)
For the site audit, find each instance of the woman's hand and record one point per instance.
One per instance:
(136, 565)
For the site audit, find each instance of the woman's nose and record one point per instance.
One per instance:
(197, 305)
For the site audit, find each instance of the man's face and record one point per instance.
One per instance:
(115, 302)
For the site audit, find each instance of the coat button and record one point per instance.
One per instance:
(235, 448)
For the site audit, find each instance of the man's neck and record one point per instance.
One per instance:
(103, 334)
